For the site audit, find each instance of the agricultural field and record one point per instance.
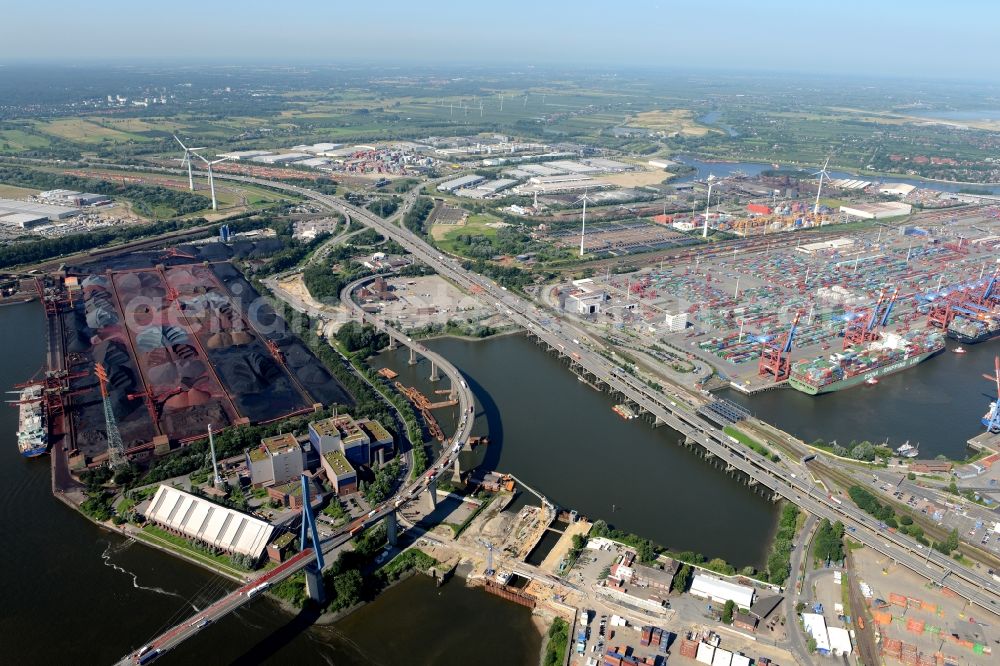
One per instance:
(18, 140)
(81, 130)
(674, 121)
(14, 192)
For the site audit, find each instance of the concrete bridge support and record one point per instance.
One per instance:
(391, 528)
(434, 372)
(413, 356)
(314, 585)
(432, 497)
(456, 472)
(392, 343)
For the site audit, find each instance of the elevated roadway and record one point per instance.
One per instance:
(937, 567)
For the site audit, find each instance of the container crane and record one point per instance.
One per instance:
(861, 330)
(774, 359)
(992, 418)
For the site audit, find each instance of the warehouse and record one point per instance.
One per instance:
(459, 183)
(558, 184)
(73, 198)
(281, 158)
(218, 526)
(721, 591)
(22, 220)
(877, 211)
(244, 154)
(896, 189)
(832, 244)
(53, 213)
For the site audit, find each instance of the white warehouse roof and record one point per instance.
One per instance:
(815, 626)
(721, 591)
(198, 518)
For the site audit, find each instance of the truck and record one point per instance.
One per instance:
(149, 656)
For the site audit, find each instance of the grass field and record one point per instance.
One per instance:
(82, 130)
(674, 120)
(475, 225)
(17, 140)
(13, 192)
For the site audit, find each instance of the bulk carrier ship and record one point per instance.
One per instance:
(32, 432)
(860, 363)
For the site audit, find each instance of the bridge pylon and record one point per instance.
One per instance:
(314, 571)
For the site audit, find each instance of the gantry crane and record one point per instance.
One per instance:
(774, 359)
(863, 329)
(116, 449)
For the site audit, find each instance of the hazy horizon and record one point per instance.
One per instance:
(917, 39)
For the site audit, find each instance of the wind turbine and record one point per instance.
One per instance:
(211, 180)
(821, 173)
(188, 152)
(583, 219)
(708, 204)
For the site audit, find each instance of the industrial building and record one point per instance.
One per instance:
(459, 183)
(339, 473)
(896, 189)
(23, 220)
(877, 211)
(218, 526)
(562, 184)
(358, 441)
(675, 322)
(73, 198)
(584, 299)
(819, 246)
(317, 148)
(281, 158)
(489, 188)
(238, 155)
(53, 213)
(721, 591)
(276, 461)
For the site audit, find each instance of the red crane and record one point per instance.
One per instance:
(862, 329)
(152, 401)
(774, 359)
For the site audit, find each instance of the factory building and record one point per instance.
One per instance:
(276, 461)
(584, 299)
(218, 526)
(339, 473)
(459, 183)
(562, 184)
(358, 440)
(721, 591)
(53, 213)
(877, 211)
(833, 244)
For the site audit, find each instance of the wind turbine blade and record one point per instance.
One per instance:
(180, 142)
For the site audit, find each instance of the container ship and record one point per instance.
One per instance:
(969, 331)
(859, 363)
(32, 433)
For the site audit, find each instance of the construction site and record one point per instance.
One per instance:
(155, 347)
(751, 308)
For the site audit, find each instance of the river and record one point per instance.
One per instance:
(722, 169)
(560, 436)
(75, 593)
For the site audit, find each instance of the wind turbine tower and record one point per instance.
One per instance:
(583, 219)
(188, 152)
(819, 190)
(708, 204)
(211, 179)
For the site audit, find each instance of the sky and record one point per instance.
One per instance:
(943, 38)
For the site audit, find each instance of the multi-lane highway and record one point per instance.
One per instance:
(929, 563)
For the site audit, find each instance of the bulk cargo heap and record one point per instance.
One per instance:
(859, 363)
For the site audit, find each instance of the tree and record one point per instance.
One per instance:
(348, 586)
(727, 611)
(911, 476)
(680, 582)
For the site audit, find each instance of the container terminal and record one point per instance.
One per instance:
(171, 341)
(748, 310)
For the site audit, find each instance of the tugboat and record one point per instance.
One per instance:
(871, 381)
(958, 350)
